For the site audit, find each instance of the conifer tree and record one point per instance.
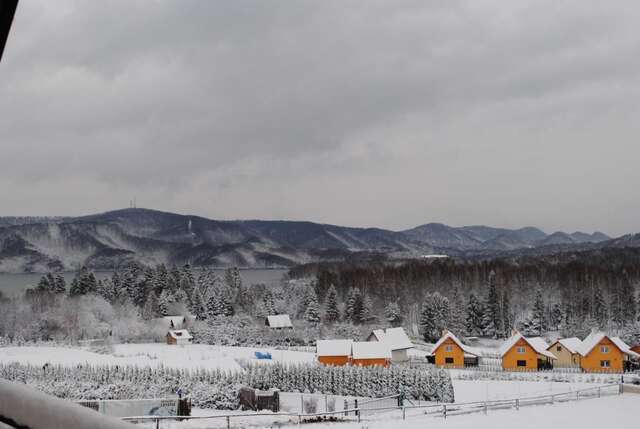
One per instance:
(151, 307)
(457, 314)
(366, 311)
(165, 301)
(312, 313)
(538, 322)
(492, 318)
(331, 313)
(393, 314)
(599, 308)
(474, 320)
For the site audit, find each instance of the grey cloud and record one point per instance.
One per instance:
(375, 113)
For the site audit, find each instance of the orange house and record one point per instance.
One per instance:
(450, 352)
(519, 353)
(371, 353)
(334, 352)
(601, 353)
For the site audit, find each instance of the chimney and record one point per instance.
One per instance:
(445, 331)
(514, 331)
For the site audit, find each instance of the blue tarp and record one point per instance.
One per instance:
(263, 355)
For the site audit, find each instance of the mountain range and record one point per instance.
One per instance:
(102, 241)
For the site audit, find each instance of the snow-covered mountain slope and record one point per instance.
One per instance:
(108, 239)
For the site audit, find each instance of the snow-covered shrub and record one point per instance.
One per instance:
(215, 388)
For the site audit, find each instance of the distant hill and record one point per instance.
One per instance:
(147, 236)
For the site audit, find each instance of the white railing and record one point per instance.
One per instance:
(430, 409)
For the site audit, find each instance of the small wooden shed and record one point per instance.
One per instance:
(334, 352)
(179, 337)
(519, 353)
(601, 353)
(566, 351)
(372, 353)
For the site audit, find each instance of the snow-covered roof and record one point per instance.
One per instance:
(538, 344)
(279, 321)
(571, 344)
(470, 351)
(180, 334)
(395, 338)
(371, 350)
(333, 347)
(624, 347)
(594, 338)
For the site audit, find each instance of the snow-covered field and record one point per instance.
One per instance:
(156, 354)
(471, 391)
(593, 413)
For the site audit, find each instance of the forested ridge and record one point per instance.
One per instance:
(571, 292)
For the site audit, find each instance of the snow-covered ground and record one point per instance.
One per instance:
(471, 391)
(156, 354)
(586, 414)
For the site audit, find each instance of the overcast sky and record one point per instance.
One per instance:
(368, 113)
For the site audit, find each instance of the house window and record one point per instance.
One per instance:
(448, 360)
(604, 349)
(522, 363)
(605, 364)
(448, 348)
(521, 350)
(559, 349)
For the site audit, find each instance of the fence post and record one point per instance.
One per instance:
(346, 407)
(326, 404)
(228, 422)
(444, 410)
(157, 423)
(552, 399)
(301, 403)
(404, 414)
(517, 404)
(598, 392)
(485, 407)
(355, 405)
(577, 395)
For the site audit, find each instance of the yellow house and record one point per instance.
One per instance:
(566, 352)
(601, 353)
(525, 354)
(450, 352)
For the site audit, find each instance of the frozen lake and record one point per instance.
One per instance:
(11, 284)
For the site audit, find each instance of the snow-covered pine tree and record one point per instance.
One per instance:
(366, 311)
(474, 319)
(492, 319)
(434, 316)
(507, 314)
(312, 312)
(538, 322)
(456, 314)
(151, 307)
(331, 312)
(393, 314)
(599, 308)
(165, 301)
(353, 306)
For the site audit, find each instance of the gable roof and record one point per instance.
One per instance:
(624, 347)
(571, 344)
(371, 350)
(333, 347)
(177, 320)
(395, 338)
(279, 321)
(466, 349)
(594, 338)
(180, 334)
(538, 344)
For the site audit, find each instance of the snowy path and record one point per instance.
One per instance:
(189, 357)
